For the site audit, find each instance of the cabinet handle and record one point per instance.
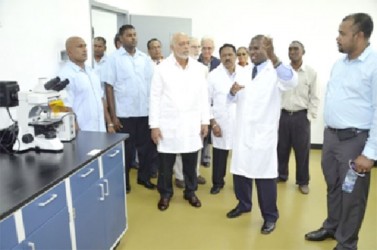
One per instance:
(114, 154)
(102, 198)
(106, 181)
(43, 204)
(31, 245)
(87, 173)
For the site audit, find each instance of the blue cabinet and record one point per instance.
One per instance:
(54, 234)
(46, 221)
(8, 233)
(99, 201)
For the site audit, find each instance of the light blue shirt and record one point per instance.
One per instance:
(84, 96)
(351, 97)
(131, 78)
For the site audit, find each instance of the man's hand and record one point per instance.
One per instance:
(216, 129)
(363, 164)
(203, 131)
(110, 129)
(156, 135)
(235, 88)
(117, 124)
(269, 48)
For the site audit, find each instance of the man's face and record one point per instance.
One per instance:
(129, 38)
(207, 48)
(194, 48)
(181, 47)
(347, 37)
(99, 48)
(154, 50)
(228, 58)
(295, 52)
(257, 51)
(77, 51)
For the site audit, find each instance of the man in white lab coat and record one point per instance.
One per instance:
(178, 117)
(223, 113)
(257, 95)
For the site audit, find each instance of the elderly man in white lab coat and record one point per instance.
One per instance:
(257, 95)
(223, 113)
(178, 117)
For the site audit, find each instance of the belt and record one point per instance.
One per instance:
(337, 130)
(292, 112)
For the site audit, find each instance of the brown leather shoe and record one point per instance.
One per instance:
(163, 204)
(193, 200)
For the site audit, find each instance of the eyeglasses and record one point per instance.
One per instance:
(241, 54)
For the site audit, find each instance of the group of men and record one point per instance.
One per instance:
(259, 112)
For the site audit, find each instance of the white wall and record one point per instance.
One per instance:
(33, 32)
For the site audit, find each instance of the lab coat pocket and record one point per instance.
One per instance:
(260, 136)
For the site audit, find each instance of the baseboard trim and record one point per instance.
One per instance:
(316, 146)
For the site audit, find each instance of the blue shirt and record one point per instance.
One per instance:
(131, 78)
(84, 96)
(351, 97)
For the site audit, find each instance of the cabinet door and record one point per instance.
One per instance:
(89, 218)
(54, 234)
(44, 208)
(8, 233)
(115, 205)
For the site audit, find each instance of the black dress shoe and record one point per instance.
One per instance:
(146, 184)
(268, 227)
(193, 200)
(128, 188)
(205, 164)
(319, 235)
(235, 212)
(163, 204)
(215, 190)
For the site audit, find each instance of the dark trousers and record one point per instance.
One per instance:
(205, 156)
(267, 196)
(139, 138)
(165, 173)
(219, 161)
(345, 211)
(294, 132)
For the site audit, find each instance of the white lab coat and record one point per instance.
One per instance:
(224, 112)
(257, 120)
(179, 105)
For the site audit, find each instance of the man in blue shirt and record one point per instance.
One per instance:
(128, 77)
(350, 114)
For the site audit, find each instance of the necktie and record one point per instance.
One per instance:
(254, 72)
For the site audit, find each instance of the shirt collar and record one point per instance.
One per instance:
(362, 56)
(75, 67)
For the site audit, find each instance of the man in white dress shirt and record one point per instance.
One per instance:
(84, 93)
(178, 117)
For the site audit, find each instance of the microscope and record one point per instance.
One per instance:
(41, 125)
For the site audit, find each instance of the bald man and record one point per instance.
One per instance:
(178, 117)
(84, 93)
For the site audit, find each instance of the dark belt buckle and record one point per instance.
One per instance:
(290, 112)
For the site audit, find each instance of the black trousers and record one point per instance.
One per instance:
(219, 161)
(165, 174)
(139, 138)
(345, 211)
(294, 132)
(267, 196)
